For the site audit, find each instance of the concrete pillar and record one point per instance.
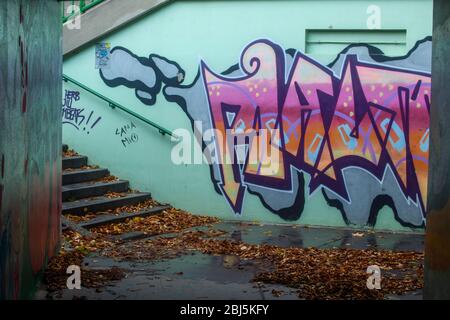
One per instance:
(437, 243)
(30, 142)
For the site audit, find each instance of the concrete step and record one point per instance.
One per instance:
(129, 236)
(83, 175)
(67, 224)
(107, 219)
(74, 162)
(92, 189)
(102, 203)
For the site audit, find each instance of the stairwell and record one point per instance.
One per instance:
(102, 19)
(100, 198)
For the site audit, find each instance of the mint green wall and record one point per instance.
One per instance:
(215, 31)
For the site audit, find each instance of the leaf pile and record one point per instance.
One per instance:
(170, 220)
(317, 273)
(70, 153)
(113, 195)
(109, 178)
(143, 205)
(147, 204)
(85, 245)
(86, 167)
(55, 276)
(85, 217)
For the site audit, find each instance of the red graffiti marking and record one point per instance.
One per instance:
(55, 209)
(37, 224)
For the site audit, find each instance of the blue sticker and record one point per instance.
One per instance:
(102, 55)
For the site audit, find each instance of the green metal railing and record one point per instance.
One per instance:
(114, 104)
(84, 6)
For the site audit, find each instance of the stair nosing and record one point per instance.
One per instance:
(78, 170)
(74, 157)
(99, 199)
(91, 184)
(123, 216)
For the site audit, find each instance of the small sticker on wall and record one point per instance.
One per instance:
(102, 55)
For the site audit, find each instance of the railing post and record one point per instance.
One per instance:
(82, 5)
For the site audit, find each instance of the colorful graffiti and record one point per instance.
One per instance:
(145, 75)
(360, 123)
(372, 117)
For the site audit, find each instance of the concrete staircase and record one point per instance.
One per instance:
(103, 19)
(91, 190)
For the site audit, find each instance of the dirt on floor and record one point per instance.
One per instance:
(332, 273)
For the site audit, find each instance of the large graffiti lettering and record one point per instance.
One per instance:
(371, 117)
(356, 129)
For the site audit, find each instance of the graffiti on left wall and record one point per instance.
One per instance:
(76, 116)
(356, 130)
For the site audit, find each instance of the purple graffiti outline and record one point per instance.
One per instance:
(364, 108)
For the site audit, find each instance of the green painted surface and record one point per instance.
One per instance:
(215, 31)
(437, 258)
(30, 143)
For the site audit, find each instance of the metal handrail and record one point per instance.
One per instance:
(82, 5)
(114, 104)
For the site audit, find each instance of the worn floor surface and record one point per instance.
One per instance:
(195, 275)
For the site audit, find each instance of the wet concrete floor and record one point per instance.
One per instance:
(200, 276)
